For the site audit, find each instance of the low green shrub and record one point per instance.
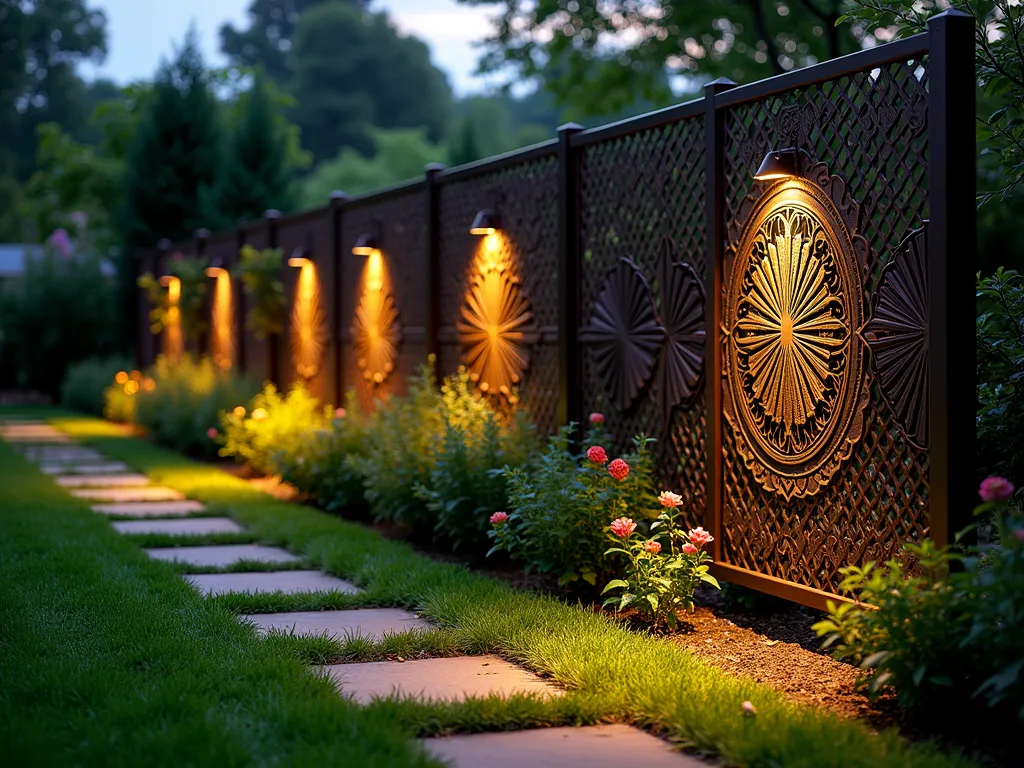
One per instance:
(86, 382)
(119, 398)
(273, 424)
(320, 464)
(560, 509)
(182, 409)
(945, 631)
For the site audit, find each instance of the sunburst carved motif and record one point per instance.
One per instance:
(624, 333)
(308, 326)
(497, 326)
(681, 363)
(898, 335)
(793, 313)
(376, 332)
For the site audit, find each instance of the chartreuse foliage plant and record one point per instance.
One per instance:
(119, 395)
(610, 674)
(273, 423)
(560, 509)
(947, 634)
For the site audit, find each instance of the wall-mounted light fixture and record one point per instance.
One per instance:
(487, 222)
(300, 257)
(779, 164)
(216, 268)
(368, 242)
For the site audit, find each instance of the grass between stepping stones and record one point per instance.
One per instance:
(159, 540)
(283, 602)
(107, 658)
(239, 566)
(610, 672)
(412, 644)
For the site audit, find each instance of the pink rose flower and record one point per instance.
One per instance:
(623, 527)
(689, 549)
(597, 454)
(996, 489)
(700, 537)
(339, 413)
(669, 499)
(499, 518)
(212, 433)
(59, 239)
(597, 418)
(652, 546)
(748, 709)
(618, 469)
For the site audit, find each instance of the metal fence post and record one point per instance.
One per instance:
(952, 393)
(433, 281)
(238, 294)
(271, 219)
(338, 199)
(715, 233)
(570, 361)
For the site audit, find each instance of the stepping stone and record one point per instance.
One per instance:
(102, 481)
(143, 493)
(439, 679)
(107, 468)
(596, 746)
(183, 527)
(288, 582)
(150, 508)
(370, 623)
(221, 556)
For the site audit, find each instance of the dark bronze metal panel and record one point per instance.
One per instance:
(642, 230)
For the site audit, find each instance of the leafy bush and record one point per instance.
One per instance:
(85, 383)
(183, 408)
(466, 482)
(119, 398)
(320, 464)
(946, 631)
(561, 509)
(1000, 333)
(264, 291)
(272, 424)
(663, 569)
(61, 311)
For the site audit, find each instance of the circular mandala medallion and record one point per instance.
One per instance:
(794, 362)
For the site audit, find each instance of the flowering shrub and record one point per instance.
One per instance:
(86, 382)
(119, 398)
(321, 464)
(272, 424)
(663, 569)
(560, 509)
(941, 637)
(181, 400)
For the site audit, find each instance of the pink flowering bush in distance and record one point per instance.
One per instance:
(560, 509)
(662, 569)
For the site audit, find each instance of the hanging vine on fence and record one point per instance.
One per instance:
(191, 304)
(267, 305)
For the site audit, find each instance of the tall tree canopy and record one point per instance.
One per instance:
(267, 42)
(598, 56)
(353, 70)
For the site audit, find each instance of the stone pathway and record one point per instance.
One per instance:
(116, 491)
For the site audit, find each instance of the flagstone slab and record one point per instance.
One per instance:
(189, 526)
(125, 480)
(596, 746)
(287, 582)
(371, 623)
(105, 468)
(221, 556)
(150, 508)
(142, 493)
(437, 679)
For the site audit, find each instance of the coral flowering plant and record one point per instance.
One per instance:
(663, 569)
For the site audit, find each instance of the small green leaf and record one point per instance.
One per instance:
(614, 584)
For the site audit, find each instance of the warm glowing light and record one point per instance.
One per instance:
(259, 414)
(239, 411)
(174, 344)
(136, 375)
(482, 231)
(215, 272)
(307, 322)
(121, 377)
(148, 384)
(375, 330)
(131, 387)
(223, 316)
(298, 261)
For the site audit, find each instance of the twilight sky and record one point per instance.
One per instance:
(141, 32)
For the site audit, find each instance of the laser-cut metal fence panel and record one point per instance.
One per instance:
(642, 200)
(306, 352)
(384, 301)
(509, 281)
(869, 130)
